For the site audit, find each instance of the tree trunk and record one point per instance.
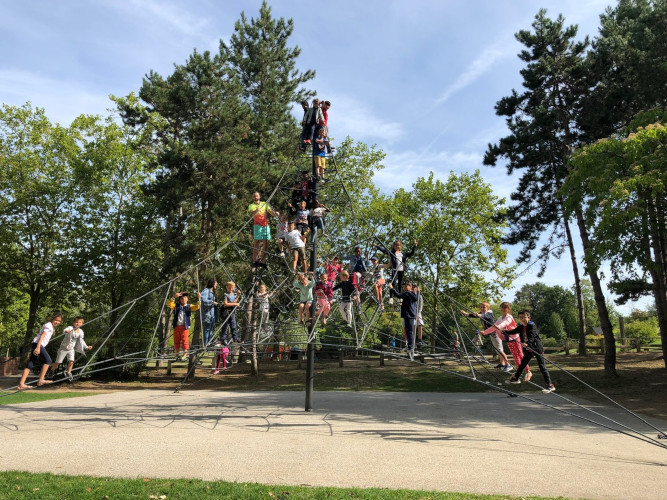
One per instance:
(605, 323)
(577, 289)
(659, 271)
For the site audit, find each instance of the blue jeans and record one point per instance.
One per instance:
(208, 331)
(229, 321)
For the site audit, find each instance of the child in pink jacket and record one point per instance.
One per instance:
(506, 322)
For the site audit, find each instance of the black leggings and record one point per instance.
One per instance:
(397, 280)
(42, 352)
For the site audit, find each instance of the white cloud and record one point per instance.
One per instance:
(349, 116)
(165, 15)
(403, 168)
(484, 62)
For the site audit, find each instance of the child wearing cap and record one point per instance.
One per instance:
(181, 321)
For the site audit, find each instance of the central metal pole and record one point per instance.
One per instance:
(310, 362)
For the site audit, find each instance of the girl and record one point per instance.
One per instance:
(263, 305)
(398, 261)
(530, 339)
(324, 295)
(39, 344)
(378, 280)
(505, 322)
(305, 294)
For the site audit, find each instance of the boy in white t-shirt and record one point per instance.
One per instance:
(73, 341)
(39, 344)
(297, 244)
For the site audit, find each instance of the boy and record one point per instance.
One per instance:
(73, 341)
(530, 339)
(297, 243)
(260, 212)
(181, 321)
(231, 302)
(302, 217)
(408, 313)
(38, 349)
(320, 153)
(348, 291)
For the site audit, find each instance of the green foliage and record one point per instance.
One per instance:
(36, 184)
(260, 58)
(557, 327)
(644, 331)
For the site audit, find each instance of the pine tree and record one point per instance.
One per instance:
(264, 63)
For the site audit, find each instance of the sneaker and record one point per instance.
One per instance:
(506, 368)
(499, 366)
(514, 380)
(68, 376)
(411, 354)
(527, 376)
(391, 301)
(281, 254)
(216, 372)
(549, 389)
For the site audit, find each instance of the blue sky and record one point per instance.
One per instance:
(418, 78)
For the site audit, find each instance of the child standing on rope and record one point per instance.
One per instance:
(398, 259)
(305, 287)
(348, 292)
(301, 221)
(232, 299)
(297, 243)
(317, 217)
(320, 153)
(378, 280)
(324, 294)
(530, 339)
(408, 313)
(419, 320)
(209, 308)
(333, 269)
(73, 341)
(505, 322)
(263, 307)
(282, 229)
(487, 318)
(38, 350)
(181, 321)
(260, 212)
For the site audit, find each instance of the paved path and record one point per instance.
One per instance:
(477, 443)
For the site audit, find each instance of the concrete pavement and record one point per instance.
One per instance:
(477, 443)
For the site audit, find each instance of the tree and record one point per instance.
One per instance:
(628, 66)
(36, 160)
(199, 126)
(259, 56)
(622, 182)
(456, 224)
(543, 125)
(114, 218)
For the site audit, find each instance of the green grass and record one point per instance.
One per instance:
(24, 485)
(29, 397)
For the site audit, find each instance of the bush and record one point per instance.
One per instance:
(551, 342)
(644, 331)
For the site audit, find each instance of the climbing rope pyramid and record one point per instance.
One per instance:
(130, 337)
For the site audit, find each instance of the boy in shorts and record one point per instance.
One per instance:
(297, 244)
(320, 153)
(73, 341)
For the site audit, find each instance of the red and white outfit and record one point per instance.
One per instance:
(513, 341)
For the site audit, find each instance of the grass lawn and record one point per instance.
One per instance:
(24, 485)
(31, 396)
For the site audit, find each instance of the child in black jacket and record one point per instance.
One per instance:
(532, 344)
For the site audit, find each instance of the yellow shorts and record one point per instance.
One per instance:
(319, 161)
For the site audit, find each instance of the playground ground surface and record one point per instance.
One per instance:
(475, 442)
